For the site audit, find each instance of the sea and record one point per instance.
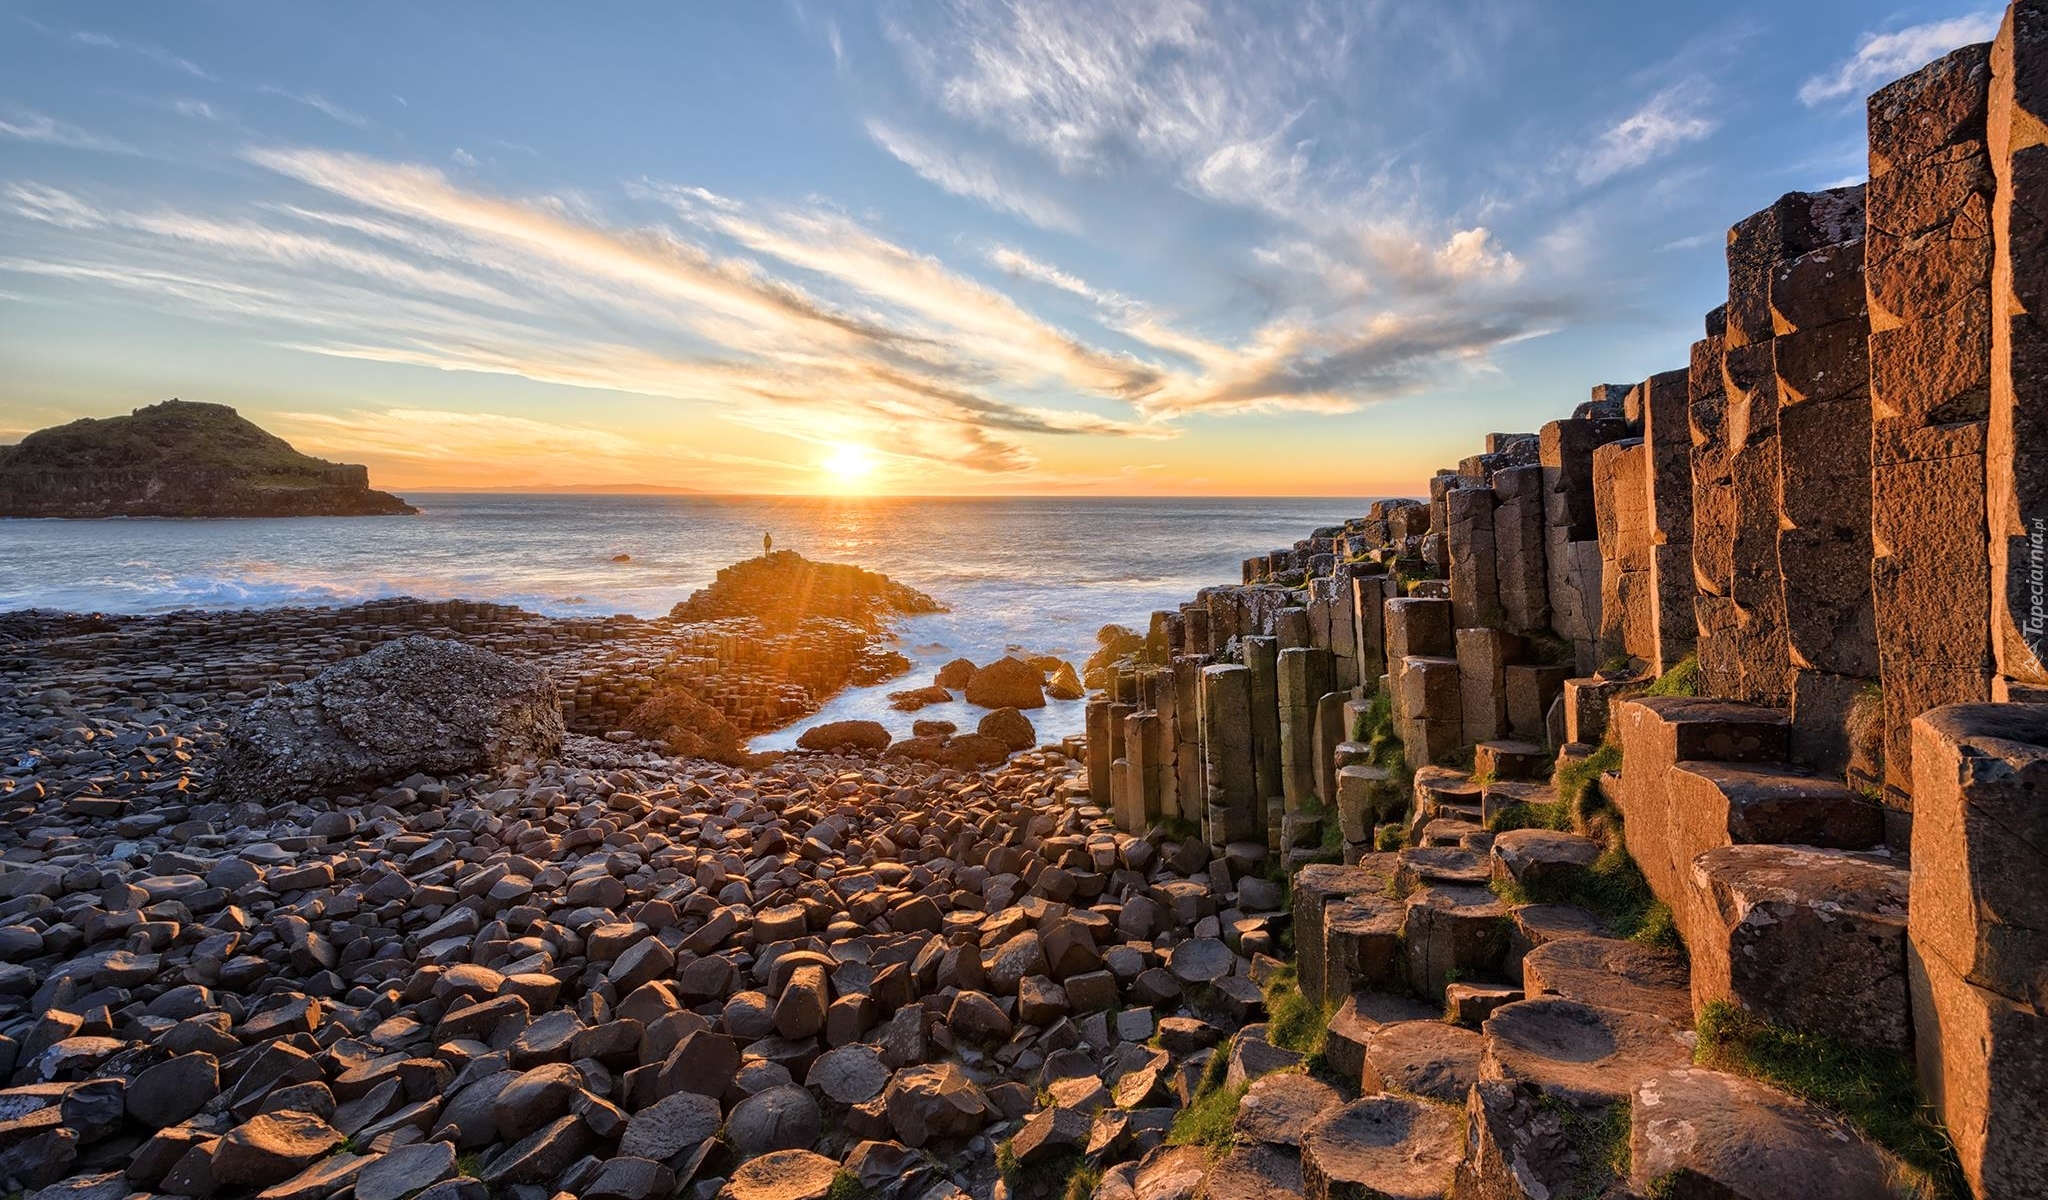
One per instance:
(1026, 575)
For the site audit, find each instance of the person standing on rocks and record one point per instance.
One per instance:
(767, 543)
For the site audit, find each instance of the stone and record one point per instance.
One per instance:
(270, 1148)
(1387, 1146)
(1007, 683)
(1201, 960)
(934, 1101)
(1010, 727)
(1809, 938)
(406, 1171)
(1703, 1132)
(849, 1075)
(1430, 1059)
(783, 1175)
(626, 1178)
(671, 1126)
(1277, 1108)
(1253, 1173)
(1581, 1054)
(173, 1090)
(781, 1118)
(1543, 861)
(858, 737)
(1452, 928)
(1612, 974)
(415, 705)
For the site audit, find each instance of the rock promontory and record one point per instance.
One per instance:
(179, 459)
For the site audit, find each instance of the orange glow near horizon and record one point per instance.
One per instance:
(848, 467)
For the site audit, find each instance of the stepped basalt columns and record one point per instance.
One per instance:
(1832, 514)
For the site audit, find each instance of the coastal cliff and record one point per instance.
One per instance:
(179, 459)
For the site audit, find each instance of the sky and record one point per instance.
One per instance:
(1116, 247)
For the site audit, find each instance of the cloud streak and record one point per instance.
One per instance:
(1672, 118)
(1883, 57)
(973, 176)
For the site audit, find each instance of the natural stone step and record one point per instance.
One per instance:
(1430, 1059)
(1278, 1108)
(1452, 928)
(1382, 1147)
(1814, 939)
(1542, 860)
(1424, 866)
(1357, 1019)
(1507, 759)
(1717, 1134)
(1613, 974)
(1533, 925)
(1317, 886)
(1586, 1056)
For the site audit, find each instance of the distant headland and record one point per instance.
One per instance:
(179, 459)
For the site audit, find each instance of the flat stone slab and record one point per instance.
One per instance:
(1277, 1108)
(1362, 1015)
(1425, 866)
(1432, 1059)
(1738, 1138)
(1613, 974)
(1387, 1146)
(1587, 1056)
(1255, 1172)
(1539, 858)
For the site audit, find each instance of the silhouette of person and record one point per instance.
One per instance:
(767, 543)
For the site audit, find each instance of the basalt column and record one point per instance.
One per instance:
(1824, 546)
(1927, 278)
(1232, 809)
(1713, 511)
(1571, 543)
(2016, 453)
(1667, 437)
(1627, 598)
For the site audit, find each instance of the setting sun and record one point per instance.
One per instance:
(848, 465)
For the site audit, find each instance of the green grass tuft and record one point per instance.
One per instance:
(1598, 1143)
(847, 1186)
(1681, 680)
(1209, 1118)
(1872, 1087)
(1576, 782)
(1292, 1021)
(1391, 836)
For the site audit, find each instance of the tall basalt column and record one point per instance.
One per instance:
(1927, 278)
(2016, 450)
(1713, 511)
(1758, 246)
(1475, 588)
(1518, 536)
(1824, 545)
(1233, 812)
(1571, 543)
(1627, 600)
(1304, 677)
(1261, 658)
(1978, 927)
(1667, 434)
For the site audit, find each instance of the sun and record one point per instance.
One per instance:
(848, 465)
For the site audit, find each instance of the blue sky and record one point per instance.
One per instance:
(1148, 246)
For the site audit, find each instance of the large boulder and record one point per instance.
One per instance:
(416, 705)
(1010, 727)
(1007, 683)
(860, 736)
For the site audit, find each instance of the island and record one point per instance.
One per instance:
(179, 459)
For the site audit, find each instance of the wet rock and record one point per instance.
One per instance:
(844, 737)
(1007, 683)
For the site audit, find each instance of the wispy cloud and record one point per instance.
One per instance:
(185, 106)
(1883, 57)
(319, 104)
(974, 176)
(155, 54)
(28, 125)
(1672, 118)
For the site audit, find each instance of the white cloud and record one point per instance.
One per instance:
(1883, 57)
(185, 106)
(462, 158)
(964, 173)
(1668, 120)
(1023, 266)
(28, 125)
(319, 104)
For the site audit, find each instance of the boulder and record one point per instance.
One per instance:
(1007, 683)
(860, 737)
(1010, 727)
(416, 705)
(781, 1118)
(783, 1175)
(1386, 1146)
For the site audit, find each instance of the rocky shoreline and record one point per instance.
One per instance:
(566, 960)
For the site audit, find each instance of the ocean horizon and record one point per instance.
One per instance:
(1031, 575)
